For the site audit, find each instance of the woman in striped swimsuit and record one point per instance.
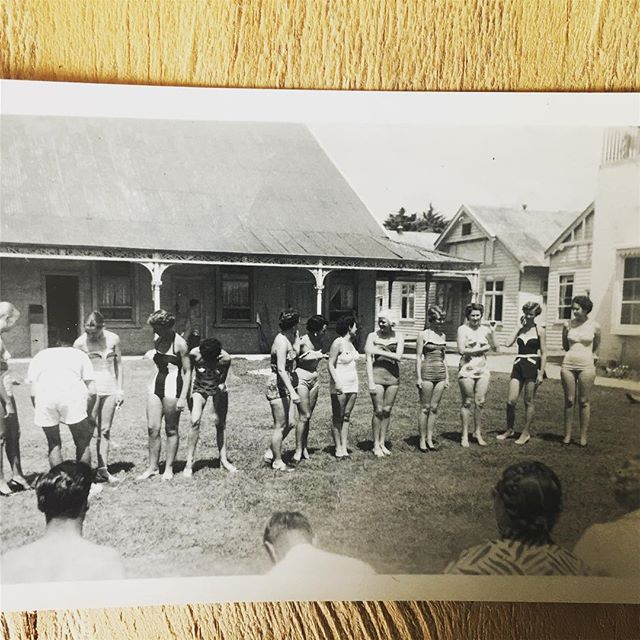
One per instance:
(168, 391)
(527, 372)
(432, 376)
(527, 504)
(103, 349)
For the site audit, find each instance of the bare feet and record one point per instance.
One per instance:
(148, 473)
(305, 454)
(279, 465)
(268, 456)
(378, 453)
(168, 474)
(506, 434)
(480, 440)
(297, 457)
(5, 489)
(188, 471)
(566, 440)
(465, 442)
(228, 466)
(385, 450)
(524, 438)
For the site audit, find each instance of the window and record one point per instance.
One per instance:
(115, 290)
(342, 299)
(466, 228)
(630, 310)
(381, 296)
(236, 297)
(544, 291)
(407, 301)
(565, 293)
(493, 298)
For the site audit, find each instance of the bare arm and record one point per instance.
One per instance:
(183, 351)
(596, 342)
(281, 364)
(514, 337)
(224, 364)
(400, 348)
(565, 337)
(543, 354)
(117, 363)
(491, 338)
(370, 351)
(334, 352)
(419, 358)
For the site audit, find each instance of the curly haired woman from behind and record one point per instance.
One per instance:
(527, 505)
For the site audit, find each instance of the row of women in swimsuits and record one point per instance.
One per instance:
(294, 380)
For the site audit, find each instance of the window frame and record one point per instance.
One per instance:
(558, 304)
(410, 297)
(466, 228)
(493, 294)
(616, 308)
(134, 320)
(221, 321)
(339, 278)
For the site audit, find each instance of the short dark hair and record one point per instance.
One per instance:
(435, 312)
(473, 306)
(584, 302)
(210, 348)
(97, 318)
(64, 491)
(316, 322)
(288, 319)
(161, 318)
(283, 521)
(532, 307)
(532, 497)
(344, 324)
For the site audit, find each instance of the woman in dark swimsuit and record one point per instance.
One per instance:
(281, 390)
(168, 391)
(527, 372)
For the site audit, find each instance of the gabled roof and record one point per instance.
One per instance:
(237, 188)
(423, 239)
(524, 233)
(570, 227)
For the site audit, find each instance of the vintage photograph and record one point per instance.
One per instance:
(314, 350)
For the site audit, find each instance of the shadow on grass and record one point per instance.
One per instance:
(208, 463)
(364, 445)
(550, 437)
(453, 436)
(117, 467)
(331, 449)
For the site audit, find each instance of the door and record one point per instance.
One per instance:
(301, 296)
(190, 305)
(62, 294)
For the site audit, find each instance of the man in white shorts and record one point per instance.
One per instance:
(63, 390)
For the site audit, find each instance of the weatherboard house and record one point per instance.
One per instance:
(126, 216)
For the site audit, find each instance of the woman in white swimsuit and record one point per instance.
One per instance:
(168, 391)
(9, 425)
(343, 382)
(103, 349)
(581, 341)
(474, 341)
(309, 357)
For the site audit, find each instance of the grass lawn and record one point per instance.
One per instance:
(409, 513)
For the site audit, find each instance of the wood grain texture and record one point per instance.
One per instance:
(573, 45)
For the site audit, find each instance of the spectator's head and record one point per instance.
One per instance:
(94, 323)
(210, 349)
(581, 306)
(436, 315)
(528, 502)
(386, 319)
(161, 322)
(627, 484)
(345, 325)
(285, 530)
(317, 324)
(63, 492)
(8, 316)
(289, 319)
(474, 311)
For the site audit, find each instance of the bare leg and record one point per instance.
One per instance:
(337, 415)
(304, 416)
(585, 384)
(346, 421)
(12, 429)
(198, 403)
(568, 380)
(104, 409)
(171, 428)
(154, 423)
(467, 387)
(390, 394)
(280, 412)
(529, 411)
(313, 399)
(4, 487)
(54, 445)
(220, 407)
(377, 398)
(481, 387)
(82, 433)
(433, 412)
(425, 393)
(512, 400)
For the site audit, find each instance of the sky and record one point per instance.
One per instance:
(395, 149)
(393, 166)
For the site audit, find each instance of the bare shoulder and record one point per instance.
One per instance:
(19, 564)
(224, 358)
(181, 345)
(80, 342)
(113, 339)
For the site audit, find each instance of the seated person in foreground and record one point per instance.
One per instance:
(62, 554)
(289, 541)
(527, 503)
(613, 548)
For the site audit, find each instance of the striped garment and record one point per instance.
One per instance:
(512, 557)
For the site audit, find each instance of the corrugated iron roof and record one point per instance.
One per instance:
(246, 188)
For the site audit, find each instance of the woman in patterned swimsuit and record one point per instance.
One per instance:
(9, 425)
(527, 371)
(432, 375)
(581, 340)
(103, 349)
(209, 373)
(281, 390)
(168, 391)
(384, 349)
(527, 504)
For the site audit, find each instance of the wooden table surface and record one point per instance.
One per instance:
(520, 45)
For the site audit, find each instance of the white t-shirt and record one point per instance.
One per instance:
(60, 370)
(319, 565)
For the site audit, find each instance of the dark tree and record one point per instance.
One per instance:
(429, 220)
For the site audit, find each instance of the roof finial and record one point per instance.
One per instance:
(524, 206)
